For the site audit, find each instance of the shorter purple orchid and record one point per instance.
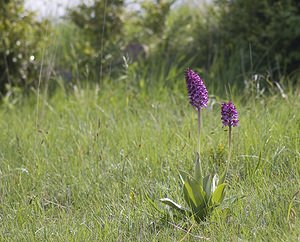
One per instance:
(229, 115)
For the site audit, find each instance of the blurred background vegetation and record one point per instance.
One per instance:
(236, 42)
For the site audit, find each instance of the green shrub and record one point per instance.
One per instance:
(101, 28)
(20, 39)
(265, 34)
(165, 35)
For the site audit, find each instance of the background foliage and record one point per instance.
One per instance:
(264, 33)
(101, 36)
(228, 41)
(20, 42)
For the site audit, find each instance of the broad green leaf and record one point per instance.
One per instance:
(183, 175)
(198, 175)
(218, 195)
(207, 182)
(173, 204)
(188, 194)
(198, 193)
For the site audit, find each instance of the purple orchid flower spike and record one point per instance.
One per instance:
(196, 89)
(229, 115)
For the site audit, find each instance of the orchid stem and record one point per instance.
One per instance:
(199, 129)
(229, 146)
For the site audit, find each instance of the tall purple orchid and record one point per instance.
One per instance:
(196, 89)
(198, 96)
(201, 193)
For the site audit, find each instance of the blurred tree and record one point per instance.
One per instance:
(152, 33)
(101, 26)
(20, 38)
(267, 30)
(154, 16)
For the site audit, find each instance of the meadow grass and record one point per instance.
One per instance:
(85, 167)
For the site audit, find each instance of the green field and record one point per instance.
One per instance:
(83, 165)
(97, 127)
